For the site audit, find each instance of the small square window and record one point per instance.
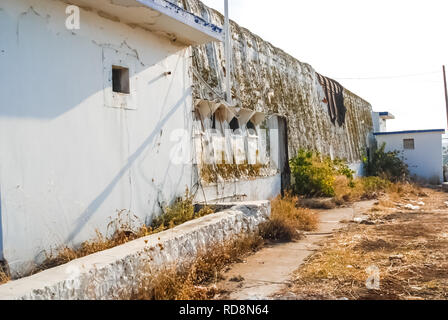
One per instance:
(120, 80)
(409, 144)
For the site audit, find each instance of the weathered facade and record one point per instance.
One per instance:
(269, 80)
(75, 149)
(73, 152)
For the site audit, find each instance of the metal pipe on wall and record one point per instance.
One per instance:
(446, 91)
(228, 52)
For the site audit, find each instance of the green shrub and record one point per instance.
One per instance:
(315, 175)
(387, 165)
(372, 185)
(181, 211)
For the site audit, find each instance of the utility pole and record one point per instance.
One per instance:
(446, 91)
(228, 52)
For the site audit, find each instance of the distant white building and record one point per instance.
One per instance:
(421, 149)
(380, 120)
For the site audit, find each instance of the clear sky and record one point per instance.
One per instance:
(389, 52)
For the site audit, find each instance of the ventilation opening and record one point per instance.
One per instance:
(120, 80)
(250, 126)
(409, 144)
(234, 124)
(214, 122)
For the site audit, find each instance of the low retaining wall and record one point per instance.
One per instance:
(117, 272)
(244, 190)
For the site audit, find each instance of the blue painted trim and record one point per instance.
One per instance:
(174, 11)
(384, 114)
(442, 131)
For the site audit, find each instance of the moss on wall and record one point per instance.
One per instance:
(266, 79)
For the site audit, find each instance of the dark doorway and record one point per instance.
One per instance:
(285, 170)
(278, 127)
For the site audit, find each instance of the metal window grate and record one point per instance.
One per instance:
(409, 144)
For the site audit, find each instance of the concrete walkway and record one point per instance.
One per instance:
(270, 269)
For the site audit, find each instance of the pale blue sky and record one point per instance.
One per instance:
(381, 39)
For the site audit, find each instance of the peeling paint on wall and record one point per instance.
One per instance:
(267, 79)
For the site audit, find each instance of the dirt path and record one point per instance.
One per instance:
(270, 270)
(402, 248)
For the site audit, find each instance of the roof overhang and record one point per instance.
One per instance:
(440, 131)
(207, 108)
(159, 16)
(386, 115)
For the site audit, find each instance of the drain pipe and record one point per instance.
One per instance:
(228, 52)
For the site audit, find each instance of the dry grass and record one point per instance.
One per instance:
(287, 220)
(4, 277)
(368, 188)
(125, 230)
(212, 173)
(409, 249)
(100, 243)
(195, 281)
(179, 212)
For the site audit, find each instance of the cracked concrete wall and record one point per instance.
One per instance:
(119, 272)
(68, 161)
(267, 79)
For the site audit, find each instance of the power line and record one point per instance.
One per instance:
(390, 77)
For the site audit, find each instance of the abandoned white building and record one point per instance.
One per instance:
(421, 150)
(128, 111)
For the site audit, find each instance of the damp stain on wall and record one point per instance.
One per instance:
(267, 79)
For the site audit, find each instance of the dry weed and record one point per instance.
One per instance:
(4, 276)
(367, 188)
(287, 219)
(195, 280)
(406, 248)
(124, 230)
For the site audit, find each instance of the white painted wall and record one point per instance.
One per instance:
(67, 161)
(358, 168)
(379, 123)
(248, 190)
(71, 156)
(426, 160)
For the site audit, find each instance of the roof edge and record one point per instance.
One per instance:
(174, 11)
(442, 131)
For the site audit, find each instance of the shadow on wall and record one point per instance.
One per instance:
(96, 203)
(38, 88)
(29, 52)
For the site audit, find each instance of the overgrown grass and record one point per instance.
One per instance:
(287, 220)
(181, 211)
(314, 175)
(195, 280)
(388, 165)
(397, 245)
(125, 230)
(367, 188)
(212, 173)
(4, 277)
(318, 176)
